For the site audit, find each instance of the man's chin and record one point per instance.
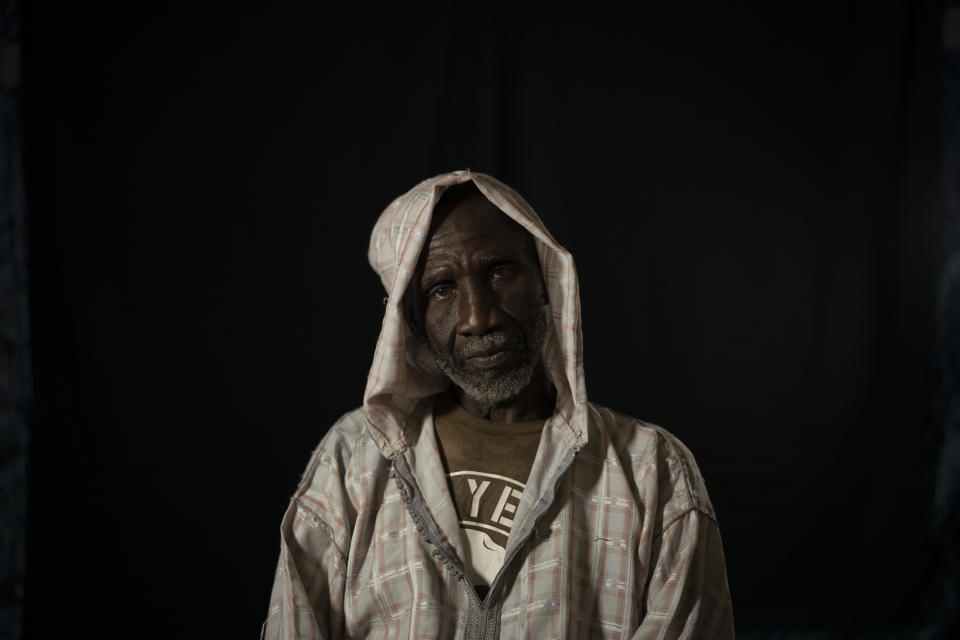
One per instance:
(493, 387)
(489, 399)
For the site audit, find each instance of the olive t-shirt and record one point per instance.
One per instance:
(487, 465)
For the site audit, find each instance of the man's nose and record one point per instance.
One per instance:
(479, 310)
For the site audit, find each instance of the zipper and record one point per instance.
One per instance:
(534, 516)
(427, 527)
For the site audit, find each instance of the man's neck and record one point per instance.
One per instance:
(534, 402)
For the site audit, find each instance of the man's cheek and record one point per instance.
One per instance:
(443, 331)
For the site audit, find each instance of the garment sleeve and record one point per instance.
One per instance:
(307, 598)
(687, 595)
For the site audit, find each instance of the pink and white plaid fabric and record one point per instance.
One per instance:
(614, 537)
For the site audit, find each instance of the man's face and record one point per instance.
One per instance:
(480, 301)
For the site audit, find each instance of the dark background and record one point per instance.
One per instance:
(751, 193)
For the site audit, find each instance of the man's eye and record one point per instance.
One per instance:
(441, 292)
(503, 271)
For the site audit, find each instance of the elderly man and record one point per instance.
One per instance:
(477, 493)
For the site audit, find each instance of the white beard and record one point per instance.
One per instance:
(490, 387)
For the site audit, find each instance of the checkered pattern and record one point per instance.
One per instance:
(624, 545)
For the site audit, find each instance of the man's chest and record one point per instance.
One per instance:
(583, 564)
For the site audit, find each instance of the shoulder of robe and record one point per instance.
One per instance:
(651, 449)
(337, 450)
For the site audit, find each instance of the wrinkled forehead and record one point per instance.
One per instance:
(475, 219)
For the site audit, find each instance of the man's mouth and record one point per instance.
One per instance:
(489, 353)
(489, 345)
(492, 358)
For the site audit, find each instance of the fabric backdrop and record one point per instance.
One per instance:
(752, 192)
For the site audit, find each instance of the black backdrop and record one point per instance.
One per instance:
(750, 193)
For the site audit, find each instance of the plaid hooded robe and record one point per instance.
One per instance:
(614, 536)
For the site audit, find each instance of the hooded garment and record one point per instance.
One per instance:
(614, 535)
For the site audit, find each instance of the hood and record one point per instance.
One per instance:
(403, 374)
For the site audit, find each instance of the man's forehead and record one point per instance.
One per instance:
(474, 219)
